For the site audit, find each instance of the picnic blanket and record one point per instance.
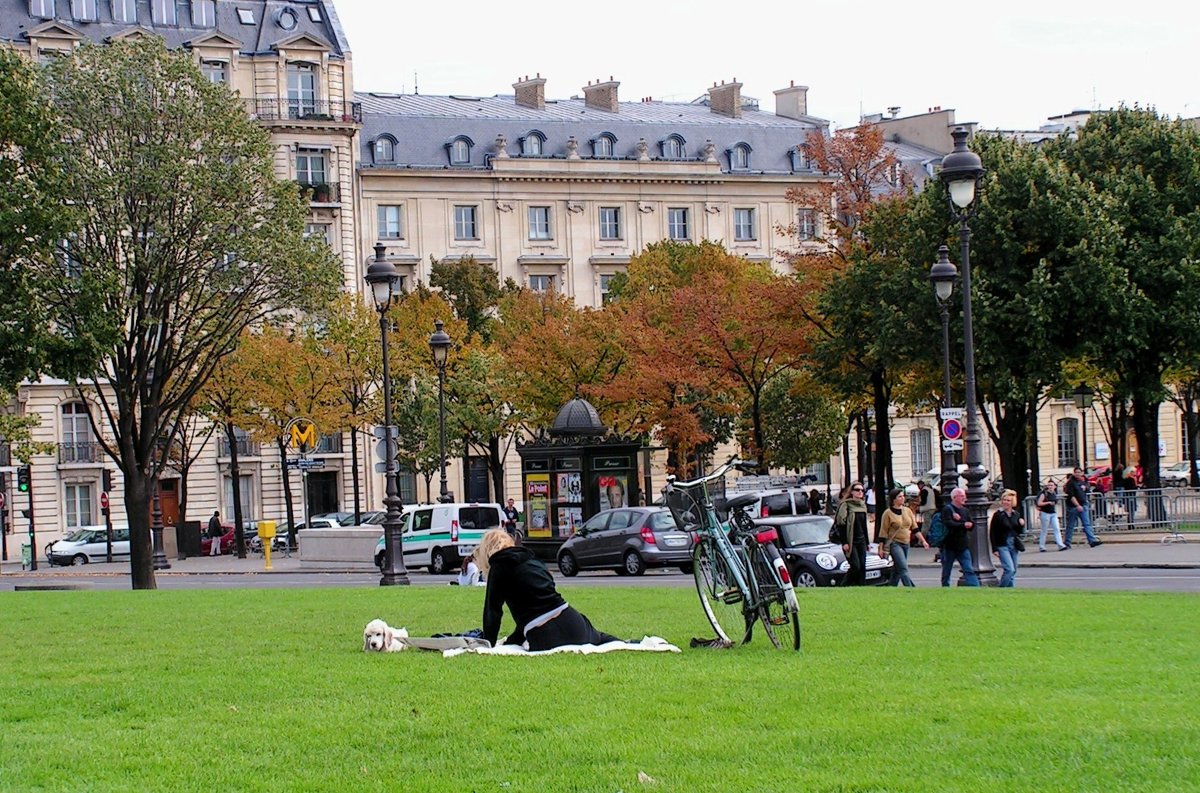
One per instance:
(652, 644)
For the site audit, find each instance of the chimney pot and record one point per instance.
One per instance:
(726, 99)
(602, 96)
(531, 93)
(792, 102)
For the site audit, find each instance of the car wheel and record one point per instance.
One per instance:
(79, 559)
(805, 578)
(381, 560)
(634, 564)
(437, 562)
(686, 569)
(567, 565)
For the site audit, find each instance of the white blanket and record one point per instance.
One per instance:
(653, 644)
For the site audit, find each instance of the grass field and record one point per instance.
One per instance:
(894, 690)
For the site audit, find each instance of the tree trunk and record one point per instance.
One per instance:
(1031, 451)
(882, 474)
(1193, 424)
(287, 491)
(235, 481)
(137, 512)
(756, 432)
(846, 454)
(496, 464)
(1145, 428)
(354, 475)
(184, 470)
(1011, 439)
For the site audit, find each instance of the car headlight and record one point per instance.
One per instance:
(826, 561)
(845, 568)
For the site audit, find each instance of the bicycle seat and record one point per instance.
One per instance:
(737, 502)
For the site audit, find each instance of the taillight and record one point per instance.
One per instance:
(766, 535)
(454, 531)
(695, 538)
(766, 513)
(647, 535)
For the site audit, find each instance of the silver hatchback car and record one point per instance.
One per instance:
(628, 540)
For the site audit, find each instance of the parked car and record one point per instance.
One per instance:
(336, 517)
(1100, 477)
(814, 561)
(628, 540)
(228, 541)
(1177, 475)
(89, 544)
(373, 517)
(778, 501)
(439, 536)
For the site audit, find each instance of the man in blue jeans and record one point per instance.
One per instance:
(1078, 509)
(955, 547)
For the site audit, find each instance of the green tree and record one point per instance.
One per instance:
(472, 289)
(804, 422)
(184, 238)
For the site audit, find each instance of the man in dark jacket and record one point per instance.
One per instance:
(215, 531)
(956, 546)
(1078, 508)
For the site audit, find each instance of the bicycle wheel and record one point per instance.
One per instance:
(781, 623)
(720, 596)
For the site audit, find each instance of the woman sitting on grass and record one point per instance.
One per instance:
(517, 578)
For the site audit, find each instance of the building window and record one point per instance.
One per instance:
(318, 231)
(84, 10)
(68, 260)
(539, 223)
(163, 12)
(77, 439)
(302, 89)
(606, 288)
(124, 11)
(531, 144)
(801, 159)
(602, 145)
(610, 223)
(246, 16)
(673, 148)
(743, 225)
(215, 71)
(460, 151)
(385, 149)
(806, 224)
(677, 224)
(1068, 443)
(245, 490)
(921, 443)
(77, 505)
(42, 9)
(390, 227)
(310, 167)
(465, 227)
(541, 283)
(204, 13)
(739, 157)
(314, 14)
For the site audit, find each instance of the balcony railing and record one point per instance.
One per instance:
(245, 447)
(306, 110)
(89, 452)
(321, 193)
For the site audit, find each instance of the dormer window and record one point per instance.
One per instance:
(42, 9)
(532, 144)
(460, 150)
(124, 11)
(801, 159)
(204, 13)
(673, 148)
(384, 149)
(246, 16)
(163, 12)
(739, 157)
(84, 10)
(603, 144)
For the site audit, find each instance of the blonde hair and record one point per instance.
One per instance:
(493, 541)
(1012, 493)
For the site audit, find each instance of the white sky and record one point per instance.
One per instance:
(1015, 62)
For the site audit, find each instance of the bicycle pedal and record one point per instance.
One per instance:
(730, 596)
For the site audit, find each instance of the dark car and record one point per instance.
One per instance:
(814, 561)
(628, 540)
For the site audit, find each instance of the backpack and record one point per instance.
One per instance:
(937, 530)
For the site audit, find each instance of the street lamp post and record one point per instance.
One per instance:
(943, 274)
(439, 345)
(383, 280)
(1082, 397)
(961, 172)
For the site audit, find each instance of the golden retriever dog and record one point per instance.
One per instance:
(379, 637)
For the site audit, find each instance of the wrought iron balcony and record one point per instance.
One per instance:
(245, 447)
(321, 192)
(273, 109)
(88, 452)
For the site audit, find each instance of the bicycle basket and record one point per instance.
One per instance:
(690, 507)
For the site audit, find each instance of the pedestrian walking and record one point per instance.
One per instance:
(850, 523)
(1047, 505)
(956, 548)
(1130, 480)
(898, 528)
(511, 513)
(1078, 509)
(928, 505)
(814, 502)
(1005, 532)
(215, 531)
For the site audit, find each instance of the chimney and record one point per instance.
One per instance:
(601, 96)
(531, 93)
(792, 102)
(726, 98)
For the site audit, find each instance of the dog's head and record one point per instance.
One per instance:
(380, 637)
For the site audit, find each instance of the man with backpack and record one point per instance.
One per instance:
(956, 546)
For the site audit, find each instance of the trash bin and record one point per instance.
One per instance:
(26, 556)
(188, 536)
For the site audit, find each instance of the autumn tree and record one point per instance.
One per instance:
(183, 237)
(228, 403)
(191, 438)
(472, 289)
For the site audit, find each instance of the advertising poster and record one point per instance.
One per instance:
(537, 496)
(613, 490)
(569, 519)
(570, 489)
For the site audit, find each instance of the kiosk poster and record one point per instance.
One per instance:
(613, 490)
(537, 495)
(569, 519)
(570, 489)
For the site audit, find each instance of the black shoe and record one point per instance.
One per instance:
(1066, 547)
(1094, 544)
(1041, 550)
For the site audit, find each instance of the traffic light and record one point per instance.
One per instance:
(23, 479)
(106, 480)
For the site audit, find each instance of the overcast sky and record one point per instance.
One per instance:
(1009, 65)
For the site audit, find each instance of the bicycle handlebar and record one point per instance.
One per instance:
(732, 462)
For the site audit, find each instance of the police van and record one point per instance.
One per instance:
(439, 536)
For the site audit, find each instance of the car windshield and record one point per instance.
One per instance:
(662, 521)
(806, 532)
(1184, 466)
(79, 535)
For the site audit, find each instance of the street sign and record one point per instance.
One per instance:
(384, 453)
(381, 468)
(103, 501)
(952, 430)
(302, 434)
(952, 446)
(293, 463)
(381, 432)
(311, 465)
(951, 413)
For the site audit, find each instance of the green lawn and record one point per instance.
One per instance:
(894, 690)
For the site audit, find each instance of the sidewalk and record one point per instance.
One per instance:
(1118, 551)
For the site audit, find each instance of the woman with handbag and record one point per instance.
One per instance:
(1005, 532)
(850, 526)
(899, 528)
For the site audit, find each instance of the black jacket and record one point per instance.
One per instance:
(955, 519)
(1004, 526)
(516, 578)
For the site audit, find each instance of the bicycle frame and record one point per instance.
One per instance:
(691, 498)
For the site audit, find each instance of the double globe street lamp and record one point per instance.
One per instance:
(384, 282)
(961, 172)
(439, 345)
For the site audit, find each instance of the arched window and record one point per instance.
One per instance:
(739, 157)
(532, 144)
(460, 150)
(603, 144)
(385, 149)
(673, 148)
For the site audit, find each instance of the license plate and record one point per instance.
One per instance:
(465, 550)
(675, 542)
(872, 574)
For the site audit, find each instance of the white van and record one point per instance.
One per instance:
(440, 536)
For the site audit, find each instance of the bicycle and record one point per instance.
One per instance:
(740, 575)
